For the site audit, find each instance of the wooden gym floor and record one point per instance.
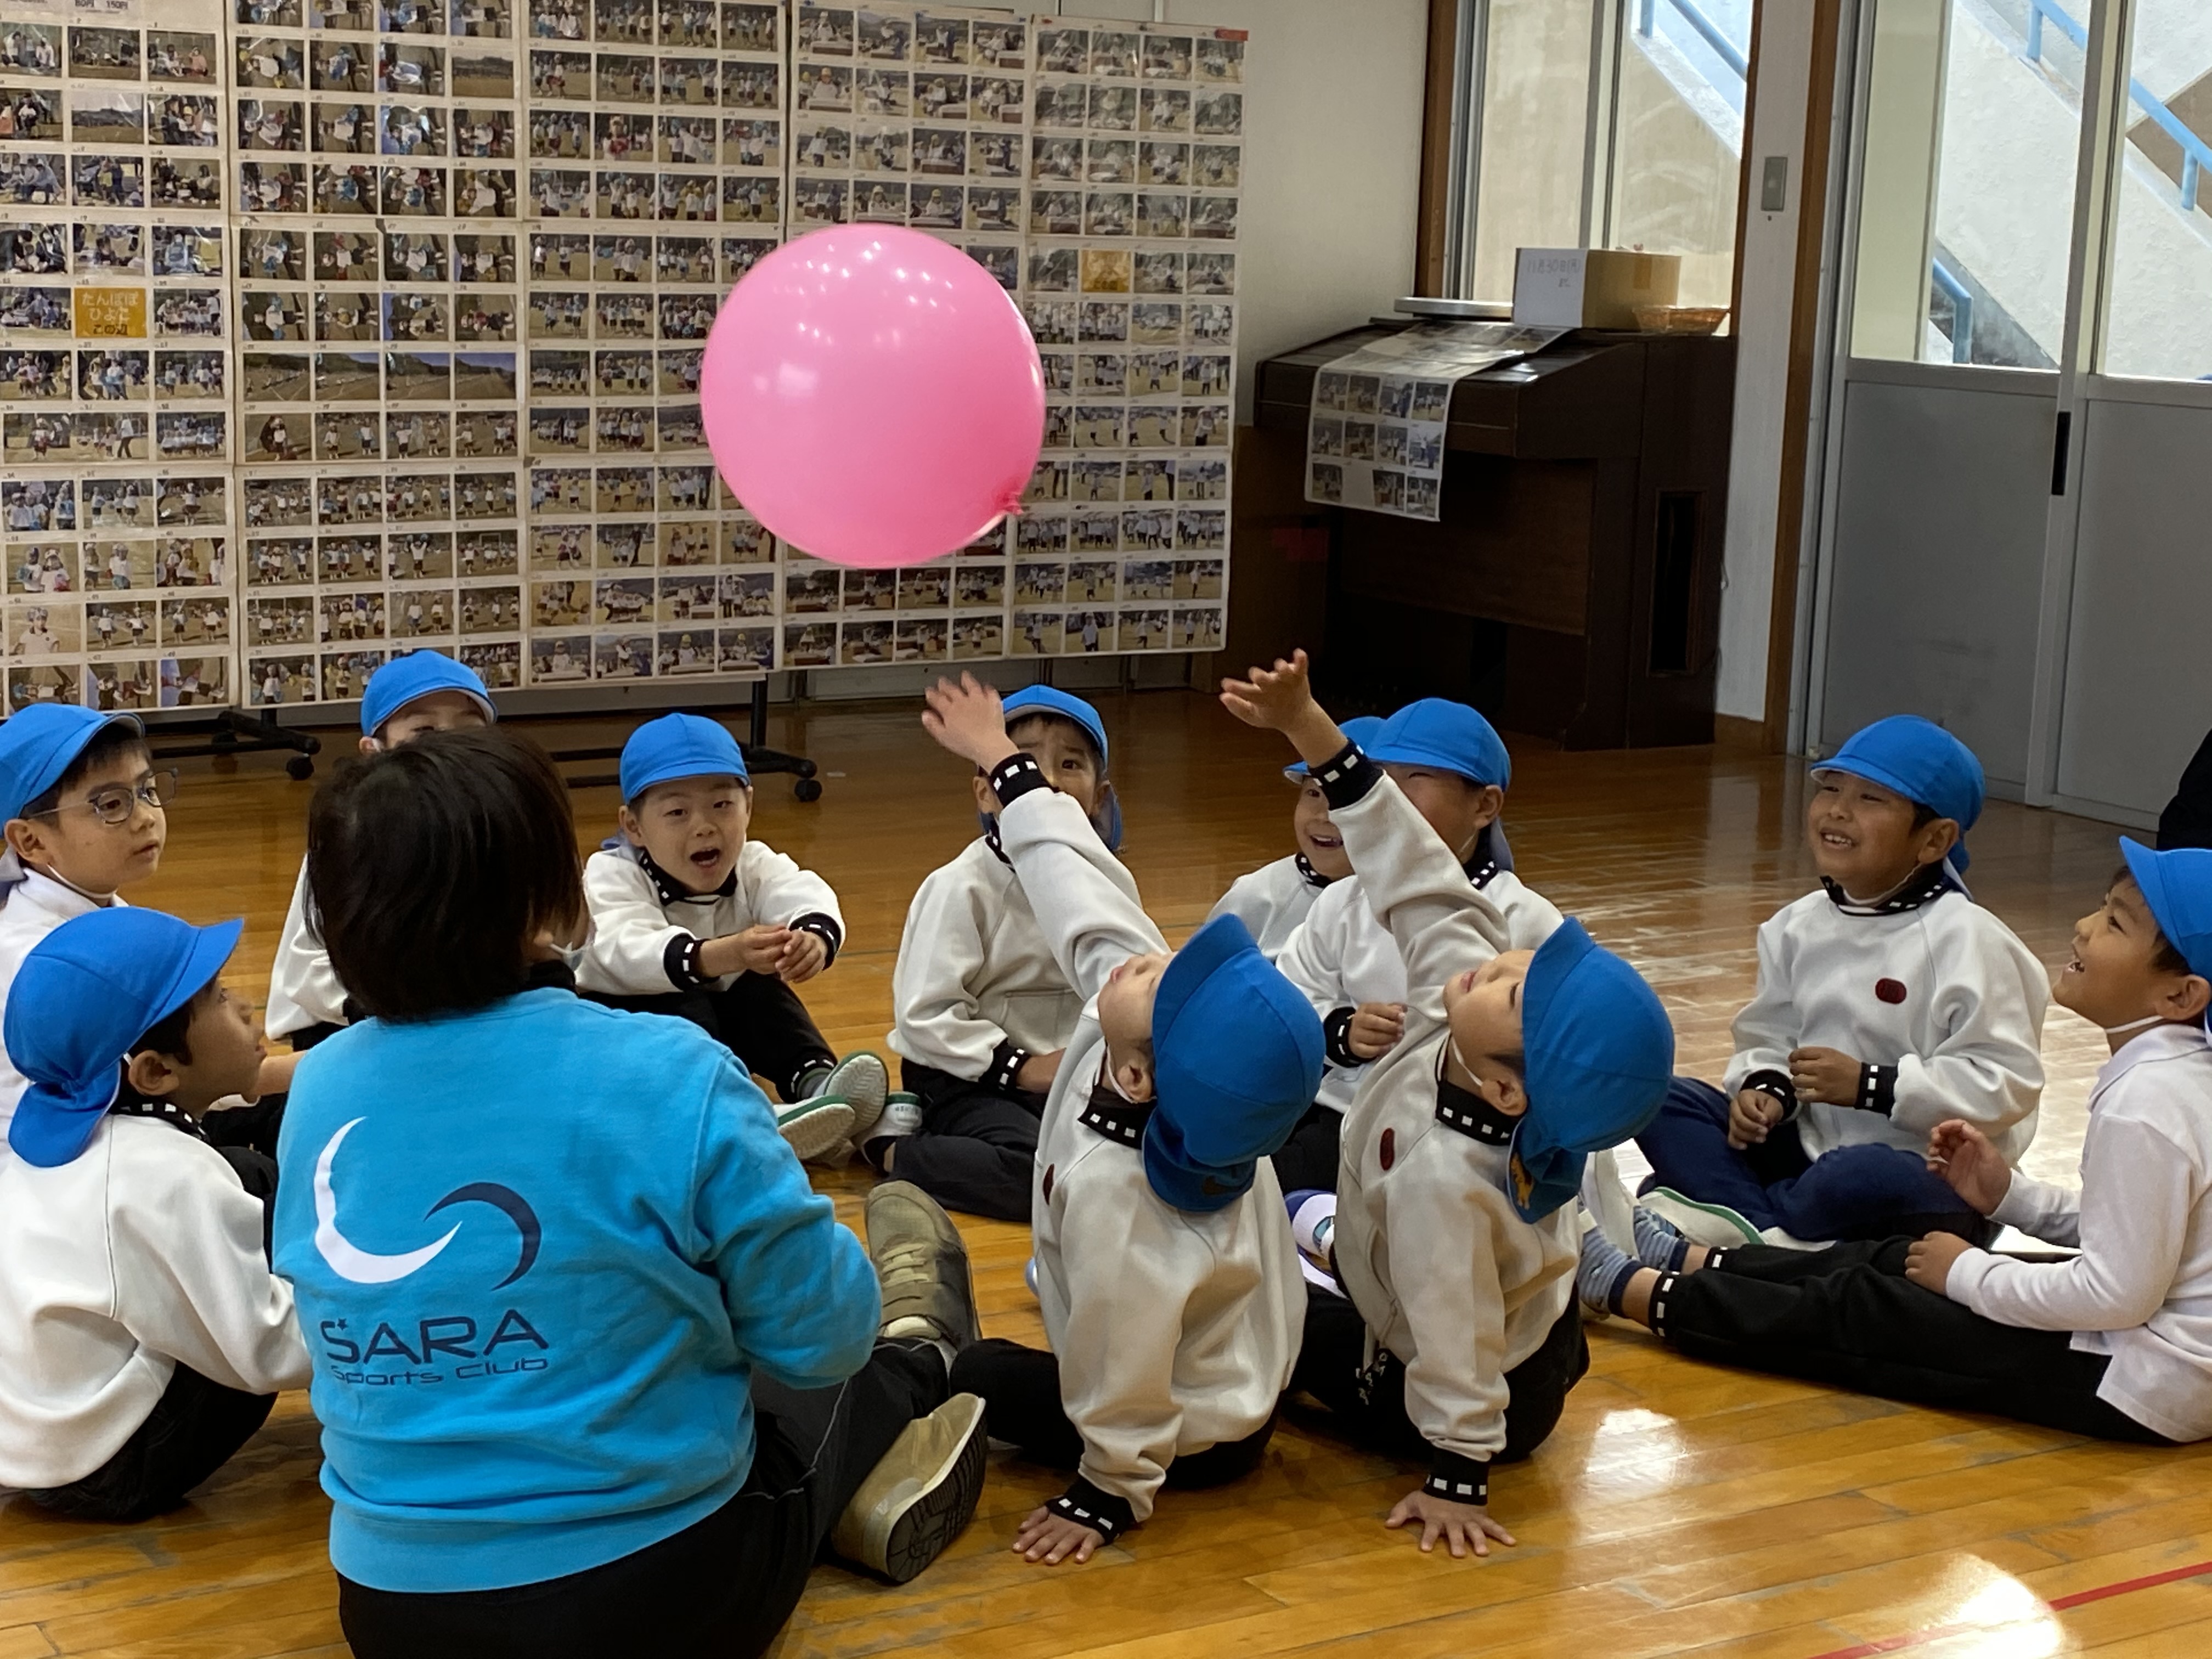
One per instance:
(1678, 1508)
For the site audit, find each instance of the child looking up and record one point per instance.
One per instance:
(1449, 762)
(142, 1338)
(984, 1012)
(1888, 1002)
(597, 1373)
(1165, 1270)
(690, 917)
(1273, 899)
(422, 691)
(82, 806)
(2111, 1342)
(1457, 1222)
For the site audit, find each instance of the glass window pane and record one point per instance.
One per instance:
(1678, 145)
(1972, 135)
(1534, 123)
(2159, 324)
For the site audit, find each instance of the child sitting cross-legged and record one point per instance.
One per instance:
(1463, 1151)
(1888, 1002)
(691, 916)
(2113, 1342)
(1168, 1280)
(1448, 761)
(984, 1013)
(142, 1337)
(1272, 900)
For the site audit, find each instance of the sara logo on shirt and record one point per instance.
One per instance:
(349, 1262)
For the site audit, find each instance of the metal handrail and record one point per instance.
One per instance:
(1962, 311)
(2195, 153)
(1707, 30)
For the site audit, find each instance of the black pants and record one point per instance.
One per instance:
(1020, 1388)
(1847, 1316)
(759, 1019)
(253, 1127)
(976, 1148)
(1308, 1158)
(724, 1585)
(193, 1430)
(1373, 1406)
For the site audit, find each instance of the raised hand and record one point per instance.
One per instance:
(968, 719)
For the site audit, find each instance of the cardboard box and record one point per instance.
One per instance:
(1591, 287)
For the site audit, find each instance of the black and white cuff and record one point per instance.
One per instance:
(1006, 1062)
(1015, 776)
(1775, 1085)
(1346, 776)
(825, 928)
(1336, 1034)
(1461, 1479)
(1089, 1506)
(1877, 1088)
(680, 962)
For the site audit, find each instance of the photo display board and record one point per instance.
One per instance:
(331, 329)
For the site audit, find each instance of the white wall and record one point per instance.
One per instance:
(1769, 264)
(1332, 161)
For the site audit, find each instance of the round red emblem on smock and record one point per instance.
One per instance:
(1889, 990)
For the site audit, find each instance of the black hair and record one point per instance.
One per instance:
(110, 743)
(433, 868)
(2163, 955)
(172, 1034)
(1924, 814)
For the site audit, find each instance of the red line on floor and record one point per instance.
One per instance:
(2057, 1604)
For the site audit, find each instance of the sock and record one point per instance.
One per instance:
(808, 1084)
(1657, 1244)
(1602, 1279)
(917, 1329)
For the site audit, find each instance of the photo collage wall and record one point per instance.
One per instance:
(335, 329)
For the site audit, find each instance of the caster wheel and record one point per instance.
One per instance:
(300, 767)
(807, 789)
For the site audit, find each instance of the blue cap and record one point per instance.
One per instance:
(1360, 729)
(1599, 1053)
(37, 745)
(679, 746)
(85, 993)
(2178, 887)
(1449, 736)
(418, 674)
(1921, 762)
(1237, 1057)
(1051, 699)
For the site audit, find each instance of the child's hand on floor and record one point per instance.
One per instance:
(1375, 1029)
(1977, 1170)
(1752, 1115)
(1035, 1073)
(1827, 1075)
(1927, 1260)
(968, 719)
(1462, 1526)
(803, 955)
(1051, 1538)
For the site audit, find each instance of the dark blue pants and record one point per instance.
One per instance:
(1852, 1192)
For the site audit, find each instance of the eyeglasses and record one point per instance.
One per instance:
(117, 802)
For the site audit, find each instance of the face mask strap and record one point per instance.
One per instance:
(2142, 1024)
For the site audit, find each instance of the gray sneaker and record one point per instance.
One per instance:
(922, 1265)
(921, 1496)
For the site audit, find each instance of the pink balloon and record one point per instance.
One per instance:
(872, 396)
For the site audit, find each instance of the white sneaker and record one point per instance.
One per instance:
(815, 1126)
(863, 1082)
(1715, 1225)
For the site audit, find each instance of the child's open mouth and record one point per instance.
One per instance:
(707, 859)
(1330, 842)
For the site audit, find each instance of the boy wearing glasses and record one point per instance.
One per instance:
(82, 807)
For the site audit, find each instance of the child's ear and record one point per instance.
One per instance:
(1504, 1092)
(1134, 1078)
(2189, 999)
(25, 842)
(1490, 802)
(151, 1074)
(1937, 838)
(371, 746)
(986, 802)
(626, 821)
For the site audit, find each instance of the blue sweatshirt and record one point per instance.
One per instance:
(539, 1250)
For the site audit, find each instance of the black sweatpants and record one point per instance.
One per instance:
(724, 1585)
(759, 1019)
(1308, 1159)
(1847, 1316)
(1373, 1406)
(1020, 1388)
(193, 1430)
(976, 1148)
